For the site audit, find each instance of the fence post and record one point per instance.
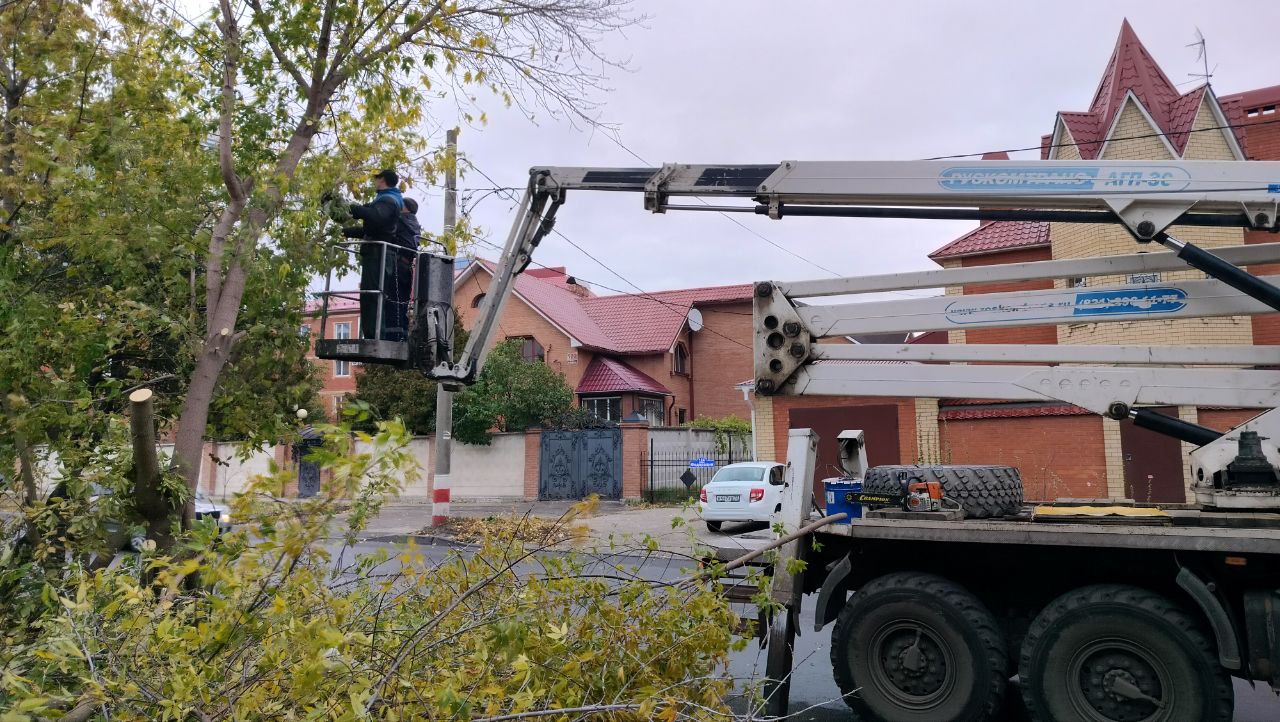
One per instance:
(729, 436)
(649, 482)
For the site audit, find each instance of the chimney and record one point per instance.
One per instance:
(992, 155)
(576, 288)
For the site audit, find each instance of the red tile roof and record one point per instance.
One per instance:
(995, 237)
(650, 323)
(1132, 69)
(607, 375)
(622, 323)
(312, 306)
(1251, 99)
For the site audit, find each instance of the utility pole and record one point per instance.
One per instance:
(444, 397)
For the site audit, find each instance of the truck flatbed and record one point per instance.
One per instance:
(1225, 539)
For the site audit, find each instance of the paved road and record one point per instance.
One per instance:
(814, 695)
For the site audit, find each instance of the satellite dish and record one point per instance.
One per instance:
(695, 319)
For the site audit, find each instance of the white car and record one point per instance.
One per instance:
(749, 491)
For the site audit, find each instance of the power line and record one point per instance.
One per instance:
(618, 142)
(1228, 126)
(671, 306)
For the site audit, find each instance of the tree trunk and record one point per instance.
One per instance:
(26, 470)
(151, 501)
(188, 445)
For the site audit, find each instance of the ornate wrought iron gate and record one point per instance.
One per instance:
(573, 464)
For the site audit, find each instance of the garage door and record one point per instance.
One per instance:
(879, 424)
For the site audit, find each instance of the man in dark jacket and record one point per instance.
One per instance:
(409, 232)
(407, 236)
(379, 220)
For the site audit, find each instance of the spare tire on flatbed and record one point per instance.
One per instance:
(982, 491)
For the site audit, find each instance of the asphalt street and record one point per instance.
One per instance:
(814, 695)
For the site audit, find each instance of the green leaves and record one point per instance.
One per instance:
(270, 624)
(509, 395)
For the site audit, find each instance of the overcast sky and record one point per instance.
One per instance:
(759, 82)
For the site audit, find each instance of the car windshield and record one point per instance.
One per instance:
(739, 473)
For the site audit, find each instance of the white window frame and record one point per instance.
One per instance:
(341, 330)
(643, 402)
(677, 351)
(591, 401)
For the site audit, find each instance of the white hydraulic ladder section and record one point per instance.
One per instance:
(1145, 197)
(790, 360)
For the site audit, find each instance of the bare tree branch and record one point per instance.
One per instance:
(589, 709)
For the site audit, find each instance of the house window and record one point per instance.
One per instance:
(304, 330)
(680, 416)
(530, 349)
(604, 408)
(680, 360)
(342, 330)
(652, 409)
(1077, 282)
(479, 299)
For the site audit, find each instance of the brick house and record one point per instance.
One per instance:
(1064, 451)
(622, 354)
(338, 377)
(668, 355)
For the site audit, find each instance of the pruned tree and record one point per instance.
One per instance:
(316, 93)
(158, 177)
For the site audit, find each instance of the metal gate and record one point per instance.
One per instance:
(308, 471)
(573, 464)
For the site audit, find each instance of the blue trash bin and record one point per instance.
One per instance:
(840, 497)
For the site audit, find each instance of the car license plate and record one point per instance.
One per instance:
(728, 497)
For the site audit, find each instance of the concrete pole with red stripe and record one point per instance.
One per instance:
(444, 397)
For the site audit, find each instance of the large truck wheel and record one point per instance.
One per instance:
(1115, 653)
(914, 646)
(982, 491)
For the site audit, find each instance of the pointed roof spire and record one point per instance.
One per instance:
(1132, 68)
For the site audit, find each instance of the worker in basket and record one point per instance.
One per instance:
(386, 268)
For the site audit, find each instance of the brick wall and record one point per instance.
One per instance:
(1207, 144)
(1059, 456)
(1073, 240)
(720, 364)
(532, 451)
(1266, 327)
(1262, 142)
(1021, 334)
(635, 441)
(661, 368)
(334, 387)
(519, 319)
(1226, 419)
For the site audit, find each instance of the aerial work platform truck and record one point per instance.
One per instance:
(941, 582)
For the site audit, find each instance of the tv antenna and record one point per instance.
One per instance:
(1202, 55)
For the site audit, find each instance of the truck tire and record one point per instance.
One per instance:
(1113, 653)
(914, 646)
(982, 491)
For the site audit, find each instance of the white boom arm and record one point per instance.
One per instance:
(1146, 197)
